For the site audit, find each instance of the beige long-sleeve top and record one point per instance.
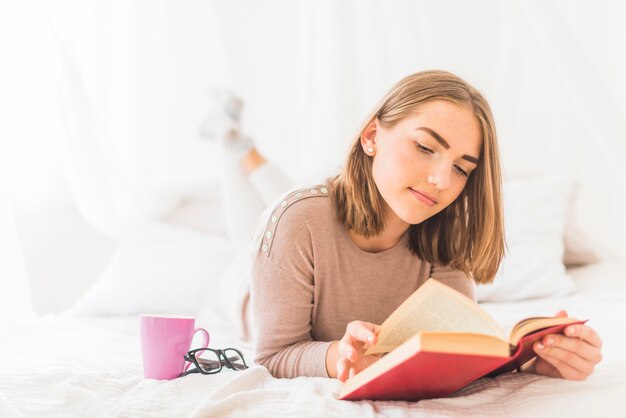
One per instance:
(309, 280)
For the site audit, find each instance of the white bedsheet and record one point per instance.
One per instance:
(77, 367)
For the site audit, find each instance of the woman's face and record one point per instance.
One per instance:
(430, 153)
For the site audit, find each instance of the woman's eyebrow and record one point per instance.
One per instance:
(445, 144)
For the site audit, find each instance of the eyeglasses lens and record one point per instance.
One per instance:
(207, 360)
(235, 359)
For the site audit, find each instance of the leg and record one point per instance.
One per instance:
(241, 204)
(249, 182)
(269, 182)
(249, 185)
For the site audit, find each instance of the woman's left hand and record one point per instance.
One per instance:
(571, 356)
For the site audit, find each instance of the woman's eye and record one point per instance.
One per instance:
(461, 171)
(428, 151)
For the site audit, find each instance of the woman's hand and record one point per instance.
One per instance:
(351, 352)
(571, 356)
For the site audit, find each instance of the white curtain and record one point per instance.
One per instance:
(134, 78)
(27, 137)
(137, 76)
(14, 291)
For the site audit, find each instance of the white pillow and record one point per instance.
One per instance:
(158, 268)
(579, 250)
(534, 215)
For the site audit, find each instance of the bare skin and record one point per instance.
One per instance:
(252, 160)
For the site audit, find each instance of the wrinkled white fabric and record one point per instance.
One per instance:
(77, 367)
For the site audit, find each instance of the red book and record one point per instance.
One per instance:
(438, 341)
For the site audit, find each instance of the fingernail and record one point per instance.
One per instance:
(571, 331)
(349, 353)
(370, 339)
(540, 346)
(549, 341)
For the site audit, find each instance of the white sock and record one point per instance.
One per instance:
(222, 124)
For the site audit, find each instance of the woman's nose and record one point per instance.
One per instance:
(440, 179)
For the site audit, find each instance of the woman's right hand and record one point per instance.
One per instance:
(352, 358)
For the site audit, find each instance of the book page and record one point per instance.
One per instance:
(434, 307)
(529, 325)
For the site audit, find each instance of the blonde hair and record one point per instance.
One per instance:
(468, 234)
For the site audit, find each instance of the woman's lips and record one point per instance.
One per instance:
(425, 200)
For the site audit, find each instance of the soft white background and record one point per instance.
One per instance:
(101, 103)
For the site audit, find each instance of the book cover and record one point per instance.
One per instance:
(436, 362)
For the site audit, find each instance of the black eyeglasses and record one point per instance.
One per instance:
(211, 361)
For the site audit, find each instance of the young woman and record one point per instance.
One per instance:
(419, 198)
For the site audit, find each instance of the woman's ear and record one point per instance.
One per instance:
(368, 137)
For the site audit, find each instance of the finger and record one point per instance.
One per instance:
(565, 370)
(350, 347)
(569, 364)
(357, 333)
(576, 345)
(364, 332)
(352, 373)
(561, 313)
(584, 332)
(347, 350)
(342, 369)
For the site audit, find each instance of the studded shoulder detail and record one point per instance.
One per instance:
(288, 200)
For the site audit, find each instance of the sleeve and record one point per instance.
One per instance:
(456, 279)
(282, 301)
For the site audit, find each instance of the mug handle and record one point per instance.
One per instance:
(205, 343)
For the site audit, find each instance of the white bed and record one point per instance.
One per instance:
(91, 367)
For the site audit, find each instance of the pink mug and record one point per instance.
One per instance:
(165, 339)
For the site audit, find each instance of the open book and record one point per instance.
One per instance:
(438, 341)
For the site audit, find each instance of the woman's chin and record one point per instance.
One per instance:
(412, 217)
